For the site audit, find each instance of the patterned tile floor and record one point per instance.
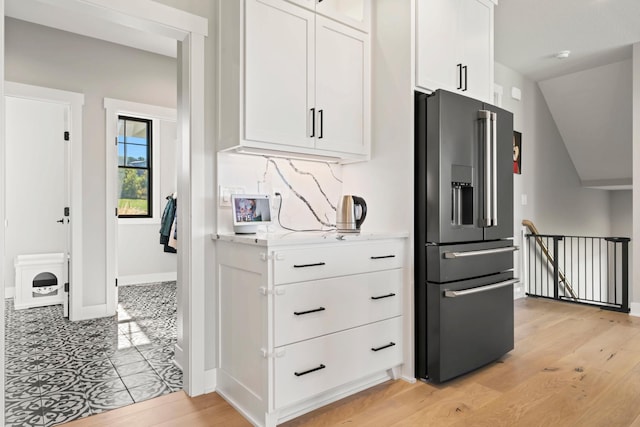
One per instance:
(57, 371)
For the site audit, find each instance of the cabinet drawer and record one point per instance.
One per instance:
(311, 367)
(297, 265)
(309, 309)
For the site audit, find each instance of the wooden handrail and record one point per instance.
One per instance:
(532, 228)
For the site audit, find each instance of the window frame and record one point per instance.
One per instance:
(149, 168)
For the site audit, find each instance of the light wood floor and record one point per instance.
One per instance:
(572, 366)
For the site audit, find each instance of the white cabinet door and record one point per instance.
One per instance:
(355, 13)
(477, 45)
(437, 52)
(279, 73)
(342, 61)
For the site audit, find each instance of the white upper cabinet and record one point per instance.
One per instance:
(454, 46)
(292, 81)
(279, 73)
(355, 13)
(342, 81)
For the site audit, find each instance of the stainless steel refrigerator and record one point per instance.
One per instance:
(463, 234)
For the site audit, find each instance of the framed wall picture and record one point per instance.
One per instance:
(517, 152)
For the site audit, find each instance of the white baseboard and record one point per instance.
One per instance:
(635, 309)
(137, 279)
(10, 292)
(210, 380)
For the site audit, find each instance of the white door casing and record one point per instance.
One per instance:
(71, 103)
(113, 109)
(190, 30)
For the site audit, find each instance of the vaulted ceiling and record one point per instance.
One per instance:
(588, 93)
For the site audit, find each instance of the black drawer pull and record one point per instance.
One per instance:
(299, 374)
(384, 296)
(300, 313)
(317, 264)
(391, 344)
(383, 257)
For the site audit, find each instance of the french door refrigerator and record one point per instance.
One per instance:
(463, 234)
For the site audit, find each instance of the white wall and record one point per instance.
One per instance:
(51, 58)
(386, 182)
(555, 200)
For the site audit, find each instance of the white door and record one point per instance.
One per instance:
(36, 180)
(342, 61)
(279, 66)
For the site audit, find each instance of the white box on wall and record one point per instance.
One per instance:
(28, 269)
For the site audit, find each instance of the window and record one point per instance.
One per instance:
(134, 168)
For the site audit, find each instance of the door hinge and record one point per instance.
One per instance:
(116, 138)
(116, 211)
(66, 211)
(116, 282)
(66, 135)
(66, 287)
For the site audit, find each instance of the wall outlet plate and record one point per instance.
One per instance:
(224, 194)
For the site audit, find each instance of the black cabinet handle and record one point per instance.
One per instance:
(465, 78)
(384, 296)
(313, 123)
(300, 313)
(391, 344)
(317, 264)
(459, 66)
(321, 113)
(299, 374)
(383, 256)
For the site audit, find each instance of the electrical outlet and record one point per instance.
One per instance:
(224, 195)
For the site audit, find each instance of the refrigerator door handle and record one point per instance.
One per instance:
(494, 153)
(454, 294)
(485, 115)
(452, 255)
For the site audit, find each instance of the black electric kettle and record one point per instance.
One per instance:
(351, 212)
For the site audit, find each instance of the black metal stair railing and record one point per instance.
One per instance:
(585, 270)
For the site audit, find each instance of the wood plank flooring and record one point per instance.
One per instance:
(572, 366)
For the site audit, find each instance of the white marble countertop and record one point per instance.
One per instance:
(307, 237)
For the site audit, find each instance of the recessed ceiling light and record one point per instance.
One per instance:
(563, 54)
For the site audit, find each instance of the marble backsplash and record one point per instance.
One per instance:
(310, 190)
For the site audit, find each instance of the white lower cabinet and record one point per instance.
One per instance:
(288, 348)
(310, 367)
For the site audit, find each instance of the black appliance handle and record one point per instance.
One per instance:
(452, 255)
(454, 294)
(487, 189)
(321, 114)
(494, 152)
(360, 201)
(299, 374)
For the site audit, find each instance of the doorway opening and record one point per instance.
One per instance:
(189, 31)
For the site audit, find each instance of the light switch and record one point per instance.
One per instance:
(523, 199)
